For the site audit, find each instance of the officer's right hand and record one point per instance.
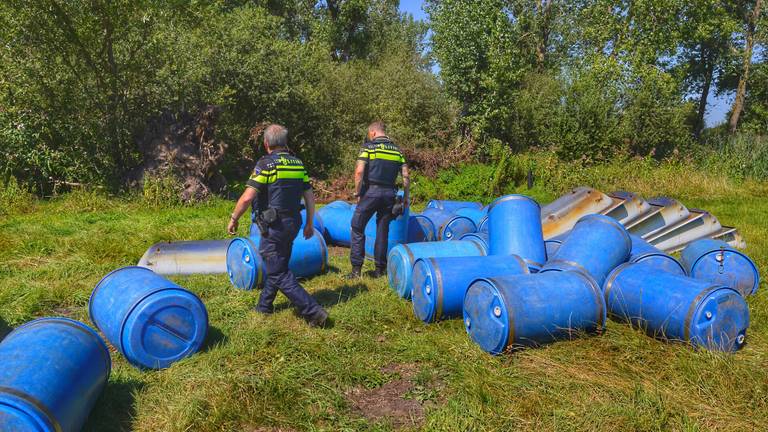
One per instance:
(309, 230)
(232, 227)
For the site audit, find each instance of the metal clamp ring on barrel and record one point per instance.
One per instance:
(512, 197)
(49, 417)
(437, 283)
(692, 309)
(510, 322)
(255, 251)
(612, 277)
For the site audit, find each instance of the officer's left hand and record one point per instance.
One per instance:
(309, 230)
(232, 227)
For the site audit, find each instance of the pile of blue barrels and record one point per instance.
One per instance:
(492, 267)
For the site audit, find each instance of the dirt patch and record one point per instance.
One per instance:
(393, 402)
(338, 251)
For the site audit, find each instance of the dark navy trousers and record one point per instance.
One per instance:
(275, 250)
(376, 200)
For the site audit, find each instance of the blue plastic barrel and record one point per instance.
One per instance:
(402, 257)
(421, 229)
(152, 321)
(398, 233)
(476, 215)
(482, 226)
(449, 226)
(317, 222)
(596, 245)
(644, 252)
(337, 221)
(678, 308)
(452, 206)
(552, 245)
(514, 228)
(717, 262)
(439, 284)
(529, 310)
(477, 237)
(52, 371)
(245, 268)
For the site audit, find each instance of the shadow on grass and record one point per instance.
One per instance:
(115, 409)
(340, 294)
(4, 328)
(214, 338)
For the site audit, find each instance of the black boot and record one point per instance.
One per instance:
(379, 272)
(318, 319)
(354, 274)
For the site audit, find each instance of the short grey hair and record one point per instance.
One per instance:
(276, 136)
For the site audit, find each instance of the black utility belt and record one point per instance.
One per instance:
(381, 186)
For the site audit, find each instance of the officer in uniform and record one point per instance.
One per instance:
(275, 189)
(379, 163)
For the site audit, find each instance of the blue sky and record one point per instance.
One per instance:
(716, 108)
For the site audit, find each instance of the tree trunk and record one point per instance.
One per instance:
(709, 70)
(741, 90)
(545, 8)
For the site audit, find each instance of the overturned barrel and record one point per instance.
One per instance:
(398, 233)
(402, 257)
(644, 252)
(421, 229)
(678, 308)
(337, 222)
(482, 226)
(717, 262)
(452, 206)
(449, 226)
(317, 222)
(245, 267)
(477, 237)
(53, 371)
(530, 310)
(152, 321)
(553, 245)
(596, 245)
(476, 215)
(514, 228)
(439, 284)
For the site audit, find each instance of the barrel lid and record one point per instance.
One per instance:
(729, 267)
(15, 418)
(719, 320)
(485, 316)
(399, 264)
(164, 327)
(425, 289)
(456, 227)
(244, 264)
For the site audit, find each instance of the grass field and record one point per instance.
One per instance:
(275, 373)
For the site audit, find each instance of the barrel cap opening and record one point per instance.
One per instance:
(719, 321)
(165, 327)
(486, 318)
(424, 291)
(244, 264)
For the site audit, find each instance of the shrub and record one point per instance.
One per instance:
(14, 197)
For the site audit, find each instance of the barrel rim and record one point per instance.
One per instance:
(696, 304)
(608, 284)
(511, 197)
(454, 218)
(637, 258)
(491, 282)
(612, 222)
(137, 304)
(433, 233)
(43, 417)
(99, 286)
(250, 244)
(753, 266)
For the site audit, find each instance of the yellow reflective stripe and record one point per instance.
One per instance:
(388, 157)
(394, 152)
(364, 154)
(306, 178)
(263, 179)
(290, 167)
(291, 175)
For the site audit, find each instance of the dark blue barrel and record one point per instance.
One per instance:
(152, 321)
(439, 284)
(717, 262)
(398, 233)
(678, 308)
(553, 245)
(53, 371)
(317, 222)
(421, 229)
(452, 206)
(449, 226)
(644, 252)
(245, 268)
(337, 221)
(514, 228)
(402, 257)
(476, 215)
(529, 310)
(596, 245)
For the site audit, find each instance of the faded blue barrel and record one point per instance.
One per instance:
(476, 215)
(439, 284)
(152, 321)
(596, 245)
(421, 229)
(717, 262)
(452, 206)
(398, 233)
(529, 310)
(317, 222)
(514, 228)
(53, 371)
(449, 226)
(678, 308)
(402, 257)
(553, 245)
(245, 268)
(644, 252)
(337, 221)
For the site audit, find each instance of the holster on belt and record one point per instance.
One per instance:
(265, 219)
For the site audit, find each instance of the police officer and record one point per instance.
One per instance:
(275, 189)
(379, 163)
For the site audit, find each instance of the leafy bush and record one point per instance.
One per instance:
(161, 190)
(14, 198)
